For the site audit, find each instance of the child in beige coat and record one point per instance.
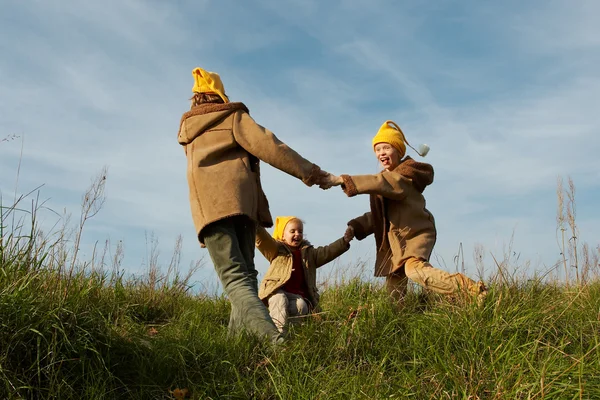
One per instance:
(289, 286)
(403, 227)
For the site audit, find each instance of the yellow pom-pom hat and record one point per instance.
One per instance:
(208, 82)
(390, 132)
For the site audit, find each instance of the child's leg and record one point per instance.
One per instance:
(297, 306)
(238, 276)
(396, 285)
(278, 308)
(438, 280)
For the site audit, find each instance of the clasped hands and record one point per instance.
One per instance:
(349, 234)
(327, 180)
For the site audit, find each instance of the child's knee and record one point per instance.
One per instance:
(278, 299)
(302, 307)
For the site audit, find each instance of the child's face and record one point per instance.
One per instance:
(293, 233)
(388, 156)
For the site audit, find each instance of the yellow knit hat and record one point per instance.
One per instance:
(280, 223)
(208, 82)
(391, 134)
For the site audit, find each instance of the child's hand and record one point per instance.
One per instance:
(330, 180)
(349, 234)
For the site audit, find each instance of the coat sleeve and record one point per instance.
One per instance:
(266, 244)
(325, 254)
(264, 145)
(363, 225)
(388, 184)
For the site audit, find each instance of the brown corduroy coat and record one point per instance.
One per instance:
(403, 227)
(223, 145)
(281, 261)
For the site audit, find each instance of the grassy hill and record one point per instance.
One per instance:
(93, 335)
(80, 330)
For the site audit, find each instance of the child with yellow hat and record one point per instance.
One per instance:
(290, 285)
(403, 227)
(223, 146)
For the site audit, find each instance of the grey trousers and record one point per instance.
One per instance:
(230, 243)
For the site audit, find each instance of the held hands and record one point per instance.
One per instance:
(349, 234)
(328, 180)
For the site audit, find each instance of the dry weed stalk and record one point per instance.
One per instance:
(571, 247)
(460, 257)
(585, 252)
(173, 269)
(153, 267)
(503, 276)
(571, 214)
(560, 225)
(92, 203)
(117, 259)
(590, 264)
(160, 284)
(478, 256)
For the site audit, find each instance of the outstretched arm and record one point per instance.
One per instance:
(388, 184)
(264, 145)
(266, 244)
(325, 254)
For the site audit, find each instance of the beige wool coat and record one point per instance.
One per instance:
(281, 261)
(402, 225)
(223, 146)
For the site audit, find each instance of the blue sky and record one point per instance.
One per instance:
(505, 93)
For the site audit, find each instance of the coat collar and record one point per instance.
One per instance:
(207, 108)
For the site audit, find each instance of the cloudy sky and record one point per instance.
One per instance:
(505, 93)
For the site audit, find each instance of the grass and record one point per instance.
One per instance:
(110, 339)
(75, 330)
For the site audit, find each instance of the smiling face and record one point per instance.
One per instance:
(387, 155)
(293, 234)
